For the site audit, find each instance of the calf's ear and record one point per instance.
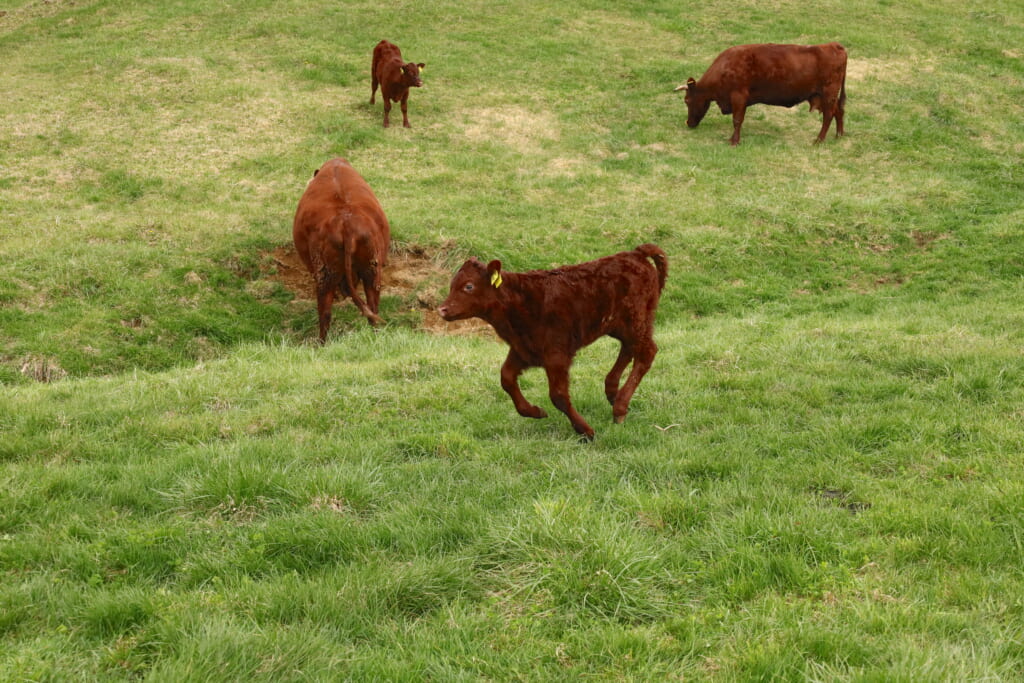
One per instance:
(422, 66)
(494, 271)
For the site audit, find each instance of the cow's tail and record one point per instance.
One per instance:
(350, 278)
(656, 254)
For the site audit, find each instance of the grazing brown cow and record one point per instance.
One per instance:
(394, 77)
(546, 316)
(782, 75)
(342, 236)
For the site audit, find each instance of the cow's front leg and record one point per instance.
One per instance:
(558, 390)
(739, 110)
(510, 371)
(387, 109)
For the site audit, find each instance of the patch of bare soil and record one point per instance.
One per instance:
(414, 274)
(42, 369)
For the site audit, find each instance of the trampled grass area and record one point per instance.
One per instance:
(820, 478)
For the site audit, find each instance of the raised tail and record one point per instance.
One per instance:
(656, 254)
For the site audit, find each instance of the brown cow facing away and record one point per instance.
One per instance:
(546, 316)
(394, 78)
(342, 236)
(781, 75)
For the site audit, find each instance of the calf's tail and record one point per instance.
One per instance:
(656, 254)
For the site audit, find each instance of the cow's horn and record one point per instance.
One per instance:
(680, 87)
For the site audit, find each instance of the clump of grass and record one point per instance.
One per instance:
(817, 478)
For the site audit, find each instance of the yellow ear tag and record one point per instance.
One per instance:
(496, 279)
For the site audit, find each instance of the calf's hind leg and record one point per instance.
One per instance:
(558, 390)
(611, 382)
(642, 361)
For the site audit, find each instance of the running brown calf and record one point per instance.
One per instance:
(546, 316)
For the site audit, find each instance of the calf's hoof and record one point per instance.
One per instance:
(619, 419)
(535, 412)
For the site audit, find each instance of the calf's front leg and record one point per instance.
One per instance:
(510, 371)
(405, 110)
(558, 390)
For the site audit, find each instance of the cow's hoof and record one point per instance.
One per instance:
(619, 419)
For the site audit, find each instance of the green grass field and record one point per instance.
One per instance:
(820, 478)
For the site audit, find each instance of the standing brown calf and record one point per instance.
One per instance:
(394, 78)
(546, 316)
(342, 236)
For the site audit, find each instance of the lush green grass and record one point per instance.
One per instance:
(820, 478)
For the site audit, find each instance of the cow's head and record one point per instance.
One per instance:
(474, 290)
(411, 74)
(697, 103)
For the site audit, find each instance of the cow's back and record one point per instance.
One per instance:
(776, 74)
(337, 191)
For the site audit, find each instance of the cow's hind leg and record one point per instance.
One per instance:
(642, 361)
(326, 286)
(611, 382)
(558, 390)
(826, 120)
(840, 110)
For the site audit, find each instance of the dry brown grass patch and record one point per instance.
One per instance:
(524, 131)
(417, 275)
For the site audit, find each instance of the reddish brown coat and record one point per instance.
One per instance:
(781, 75)
(546, 316)
(394, 78)
(342, 236)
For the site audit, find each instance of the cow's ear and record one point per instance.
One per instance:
(494, 271)
(403, 70)
(690, 83)
(422, 66)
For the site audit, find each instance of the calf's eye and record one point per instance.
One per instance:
(468, 287)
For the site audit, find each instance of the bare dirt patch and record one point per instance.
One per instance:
(416, 275)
